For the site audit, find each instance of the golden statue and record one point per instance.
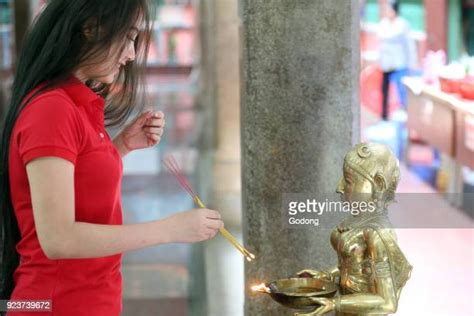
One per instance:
(372, 269)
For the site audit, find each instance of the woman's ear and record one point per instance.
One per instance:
(91, 29)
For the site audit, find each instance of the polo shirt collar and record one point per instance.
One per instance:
(83, 96)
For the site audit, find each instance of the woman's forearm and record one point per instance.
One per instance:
(51, 182)
(87, 240)
(120, 145)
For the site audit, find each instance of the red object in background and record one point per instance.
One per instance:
(466, 88)
(371, 91)
(368, 41)
(450, 85)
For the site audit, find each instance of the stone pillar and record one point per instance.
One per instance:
(224, 265)
(299, 116)
(226, 191)
(205, 105)
(219, 162)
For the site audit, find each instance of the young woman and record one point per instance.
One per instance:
(62, 236)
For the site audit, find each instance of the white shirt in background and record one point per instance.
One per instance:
(397, 49)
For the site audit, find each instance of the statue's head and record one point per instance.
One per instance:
(371, 173)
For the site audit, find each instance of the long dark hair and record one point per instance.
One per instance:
(395, 6)
(64, 36)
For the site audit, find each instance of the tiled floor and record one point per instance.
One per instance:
(441, 249)
(442, 281)
(156, 307)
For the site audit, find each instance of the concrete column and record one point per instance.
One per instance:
(224, 263)
(226, 191)
(204, 73)
(299, 116)
(219, 162)
(220, 83)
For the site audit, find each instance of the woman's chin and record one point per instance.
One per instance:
(107, 79)
(110, 78)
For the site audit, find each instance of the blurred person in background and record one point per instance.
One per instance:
(397, 54)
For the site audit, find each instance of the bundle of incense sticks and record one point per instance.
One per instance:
(173, 167)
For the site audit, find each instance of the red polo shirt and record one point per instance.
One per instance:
(68, 122)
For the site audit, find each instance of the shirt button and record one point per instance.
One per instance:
(101, 135)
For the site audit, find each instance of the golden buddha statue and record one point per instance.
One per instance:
(372, 269)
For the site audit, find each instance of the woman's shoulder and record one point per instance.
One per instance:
(50, 103)
(56, 96)
(53, 106)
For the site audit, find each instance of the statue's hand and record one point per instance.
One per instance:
(306, 273)
(327, 305)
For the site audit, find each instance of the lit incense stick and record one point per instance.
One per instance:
(173, 167)
(248, 255)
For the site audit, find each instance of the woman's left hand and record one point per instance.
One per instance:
(145, 131)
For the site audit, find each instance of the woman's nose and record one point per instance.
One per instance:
(131, 52)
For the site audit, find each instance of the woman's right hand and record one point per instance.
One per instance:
(195, 225)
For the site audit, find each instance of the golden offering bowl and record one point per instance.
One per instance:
(297, 292)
